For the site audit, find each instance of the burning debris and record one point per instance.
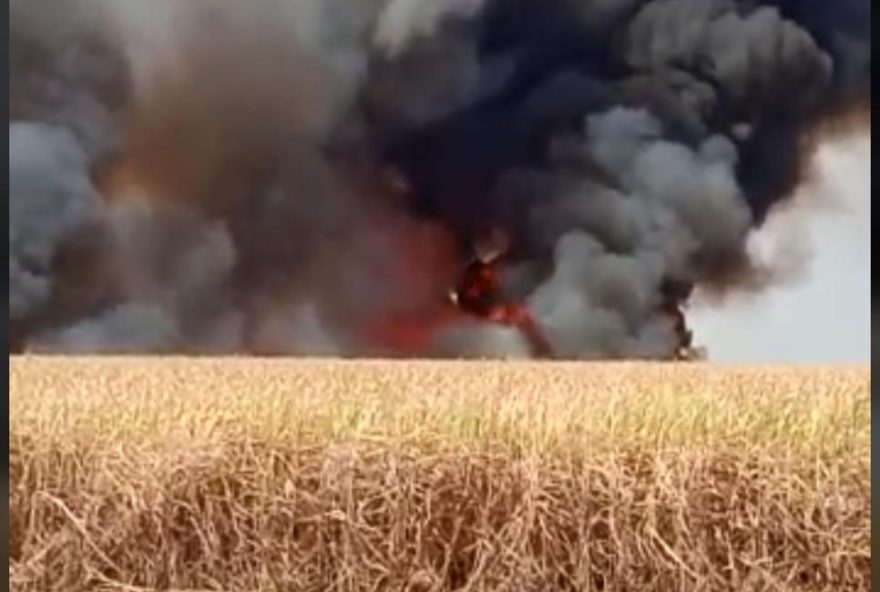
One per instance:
(204, 176)
(480, 293)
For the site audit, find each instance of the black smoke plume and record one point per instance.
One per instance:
(310, 176)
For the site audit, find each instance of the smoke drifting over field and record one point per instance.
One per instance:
(309, 176)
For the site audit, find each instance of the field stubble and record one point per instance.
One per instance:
(142, 474)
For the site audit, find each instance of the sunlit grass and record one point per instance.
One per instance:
(566, 475)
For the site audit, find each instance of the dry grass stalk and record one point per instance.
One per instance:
(135, 475)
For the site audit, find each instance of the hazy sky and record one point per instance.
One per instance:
(825, 314)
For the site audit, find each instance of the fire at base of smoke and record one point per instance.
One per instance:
(212, 176)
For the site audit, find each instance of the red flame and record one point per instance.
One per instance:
(479, 296)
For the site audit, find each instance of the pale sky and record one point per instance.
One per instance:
(824, 315)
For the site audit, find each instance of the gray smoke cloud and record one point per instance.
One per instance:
(757, 56)
(51, 198)
(127, 328)
(403, 20)
(672, 208)
(245, 214)
(285, 176)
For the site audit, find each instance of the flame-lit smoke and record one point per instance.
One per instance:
(525, 178)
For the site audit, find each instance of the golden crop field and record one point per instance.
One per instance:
(135, 474)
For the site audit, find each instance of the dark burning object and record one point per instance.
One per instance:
(675, 295)
(480, 293)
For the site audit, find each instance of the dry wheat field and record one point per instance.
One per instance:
(136, 474)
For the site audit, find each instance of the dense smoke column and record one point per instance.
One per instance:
(738, 69)
(278, 176)
(700, 112)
